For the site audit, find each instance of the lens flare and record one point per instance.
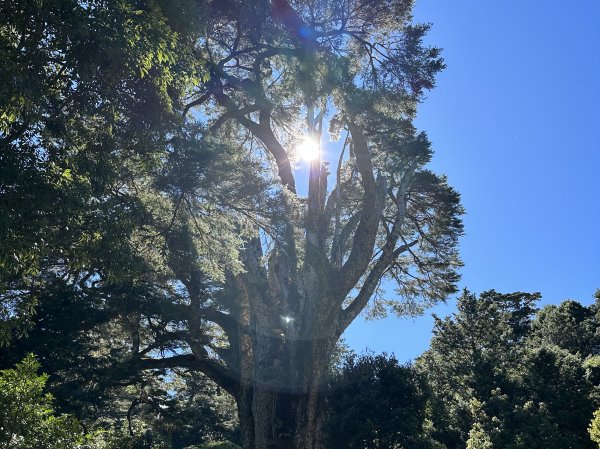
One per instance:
(308, 149)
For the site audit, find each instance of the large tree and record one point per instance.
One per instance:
(89, 90)
(310, 263)
(234, 266)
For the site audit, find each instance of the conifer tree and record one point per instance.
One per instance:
(231, 268)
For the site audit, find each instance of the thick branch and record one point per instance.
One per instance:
(389, 253)
(366, 231)
(203, 98)
(366, 291)
(221, 375)
(225, 321)
(225, 117)
(341, 239)
(264, 133)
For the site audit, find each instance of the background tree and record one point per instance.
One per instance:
(375, 402)
(569, 326)
(555, 383)
(497, 383)
(27, 418)
(471, 359)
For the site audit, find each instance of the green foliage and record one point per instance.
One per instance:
(89, 91)
(375, 402)
(479, 435)
(500, 380)
(472, 354)
(27, 417)
(594, 428)
(133, 223)
(123, 439)
(569, 326)
(555, 380)
(85, 341)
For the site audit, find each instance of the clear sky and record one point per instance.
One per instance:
(515, 121)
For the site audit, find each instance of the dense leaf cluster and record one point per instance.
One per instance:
(504, 376)
(27, 417)
(84, 107)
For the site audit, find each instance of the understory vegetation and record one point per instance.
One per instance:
(499, 374)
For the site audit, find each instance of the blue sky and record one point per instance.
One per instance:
(515, 122)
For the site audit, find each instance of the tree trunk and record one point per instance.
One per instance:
(285, 340)
(284, 406)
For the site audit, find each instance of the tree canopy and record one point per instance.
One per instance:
(497, 383)
(89, 92)
(155, 149)
(166, 253)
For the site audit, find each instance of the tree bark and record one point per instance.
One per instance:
(287, 395)
(285, 353)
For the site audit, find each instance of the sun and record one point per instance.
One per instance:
(308, 149)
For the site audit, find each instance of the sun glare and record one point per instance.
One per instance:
(308, 149)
